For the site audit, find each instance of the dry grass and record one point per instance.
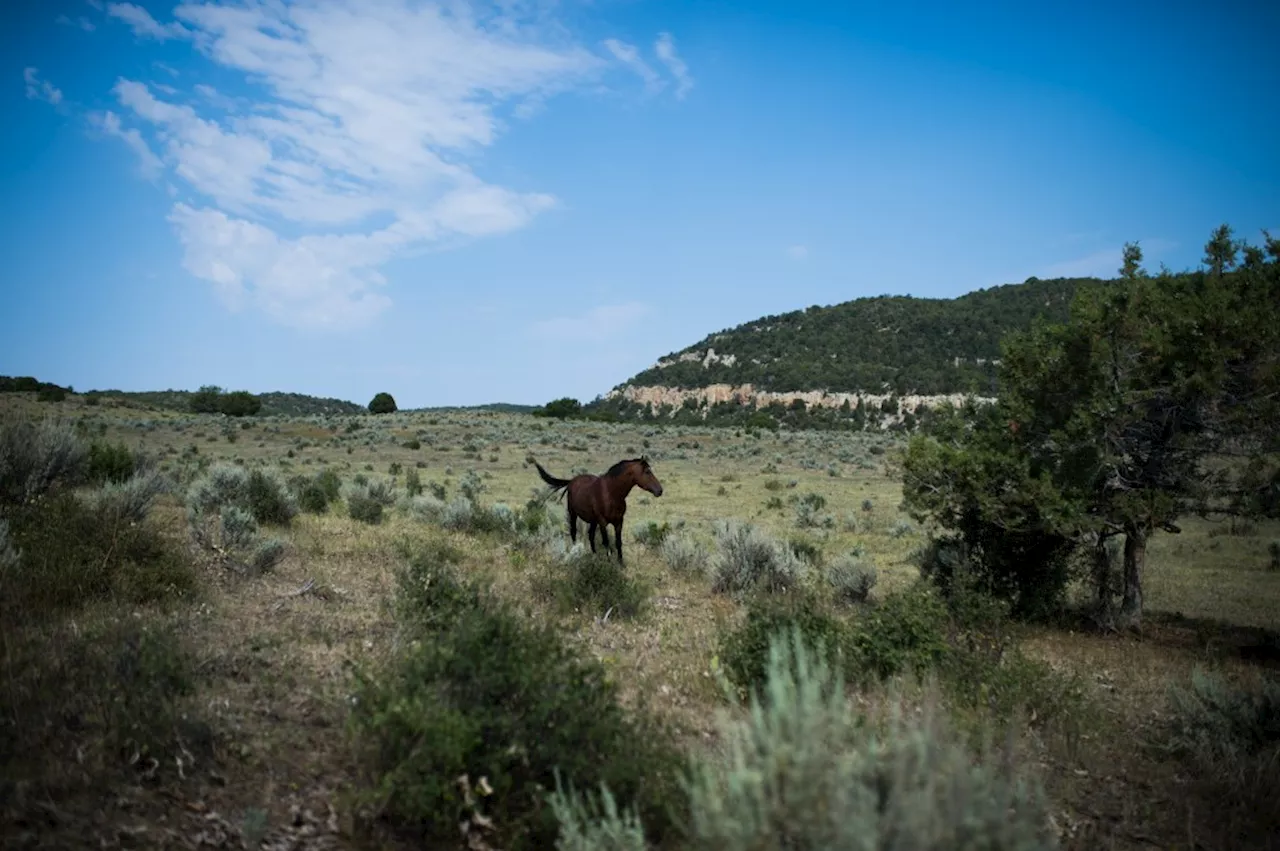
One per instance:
(272, 677)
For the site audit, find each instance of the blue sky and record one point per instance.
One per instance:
(464, 203)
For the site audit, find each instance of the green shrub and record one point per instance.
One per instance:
(744, 652)
(109, 462)
(314, 494)
(130, 500)
(907, 632)
(413, 483)
(1030, 570)
(363, 507)
(478, 690)
(594, 583)
(268, 498)
(747, 558)
(804, 771)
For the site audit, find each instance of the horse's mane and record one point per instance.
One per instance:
(616, 469)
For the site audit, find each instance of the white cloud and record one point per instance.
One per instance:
(628, 55)
(596, 325)
(80, 21)
(38, 89)
(149, 165)
(353, 142)
(798, 252)
(143, 25)
(665, 47)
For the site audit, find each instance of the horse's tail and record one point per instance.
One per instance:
(550, 479)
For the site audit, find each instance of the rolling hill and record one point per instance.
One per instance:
(886, 354)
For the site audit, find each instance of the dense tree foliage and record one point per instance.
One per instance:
(1155, 399)
(210, 399)
(562, 408)
(887, 343)
(382, 403)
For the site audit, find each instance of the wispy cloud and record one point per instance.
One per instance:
(149, 165)
(798, 252)
(665, 47)
(79, 21)
(596, 325)
(360, 135)
(628, 55)
(38, 89)
(145, 26)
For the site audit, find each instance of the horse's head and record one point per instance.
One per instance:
(645, 478)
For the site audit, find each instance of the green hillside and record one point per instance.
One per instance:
(898, 344)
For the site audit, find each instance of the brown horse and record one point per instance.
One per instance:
(602, 500)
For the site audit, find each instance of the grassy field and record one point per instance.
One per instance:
(269, 758)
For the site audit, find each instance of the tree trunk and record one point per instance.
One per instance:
(1102, 579)
(1135, 557)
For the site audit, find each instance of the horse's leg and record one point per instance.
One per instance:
(573, 527)
(604, 536)
(617, 537)
(591, 535)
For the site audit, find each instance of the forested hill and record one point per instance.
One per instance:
(897, 344)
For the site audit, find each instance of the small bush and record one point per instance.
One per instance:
(130, 500)
(314, 494)
(226, 505)
(363, 507)
(36, 455)
(744, 651)
(747, 558)
(683, 554)
(907, 632)
(651, 534)
(108, 462)
(594, 583)
(477, 690)
(804, 771)
(851, 578)
(413, 483)
(268, 498)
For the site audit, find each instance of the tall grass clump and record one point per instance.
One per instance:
(747, 558)
(805, 771)
(476, 690)
(1229, 736)
(62, 548)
